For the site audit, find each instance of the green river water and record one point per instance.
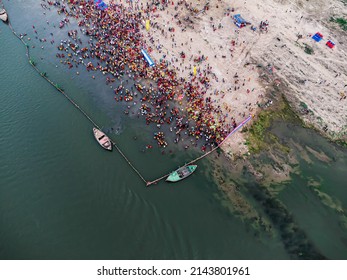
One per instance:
(63, 197)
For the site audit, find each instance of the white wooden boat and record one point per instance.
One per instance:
(3, 15)
(102, 139)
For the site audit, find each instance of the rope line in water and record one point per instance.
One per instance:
(32, 63)
(138, 173)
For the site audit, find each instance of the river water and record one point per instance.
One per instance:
(63, 197)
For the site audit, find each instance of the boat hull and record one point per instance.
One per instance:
(102, 139)
(3, 15)
(181, 173)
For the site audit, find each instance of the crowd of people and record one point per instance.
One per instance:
(114, 48)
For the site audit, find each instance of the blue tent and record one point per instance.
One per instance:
(317, 37)
(239, 21)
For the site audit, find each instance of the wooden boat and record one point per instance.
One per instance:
(102, 139)
(3, 15)
(181, 173)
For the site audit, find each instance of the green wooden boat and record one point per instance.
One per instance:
(181, 173)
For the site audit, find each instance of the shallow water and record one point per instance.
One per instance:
(63, 197)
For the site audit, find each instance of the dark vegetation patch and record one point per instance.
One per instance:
(308, 49)
(342, 22)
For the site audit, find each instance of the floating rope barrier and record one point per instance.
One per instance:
(57, 87)
(138, 173)
(44, 75)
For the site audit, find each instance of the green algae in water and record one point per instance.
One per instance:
(259, 136)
